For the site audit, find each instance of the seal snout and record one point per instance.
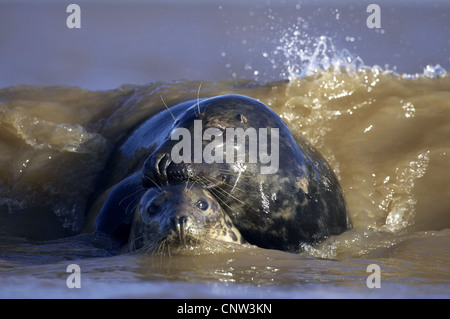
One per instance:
(166, 171)
(177, 172)
(179, 225)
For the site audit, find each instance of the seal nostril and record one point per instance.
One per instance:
(179, 223)
(182, 221)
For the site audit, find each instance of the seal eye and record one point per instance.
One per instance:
(202, 204)
(152, 209)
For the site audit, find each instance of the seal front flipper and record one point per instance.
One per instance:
(117, 212)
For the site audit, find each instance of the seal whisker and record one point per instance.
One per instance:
(234, 173)
(165, 248)
(155, 183)
(133, 194)
(156, 249)
(221, 200)
(133, 209)
(168, 119)
(159, 249)
(131, 245)
(138, 189)
(168, 250)
(187, 183)
(224, 191)
(212, 179)
(198, 97)
(150, 248)
(193, 184)
(213, 191)
(130, 182)
(173, 116)
(135, 201)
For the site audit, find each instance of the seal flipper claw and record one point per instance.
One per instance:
(158, 166)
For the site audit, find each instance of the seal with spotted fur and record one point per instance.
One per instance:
(178, 217)
(300, 203)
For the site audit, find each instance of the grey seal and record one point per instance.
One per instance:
(297, 201)
(178, 217)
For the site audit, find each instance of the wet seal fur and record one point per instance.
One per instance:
(162, 220)
(178, 217)
(302, 203)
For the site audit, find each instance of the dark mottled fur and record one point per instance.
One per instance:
(176, 217)
(301, 203)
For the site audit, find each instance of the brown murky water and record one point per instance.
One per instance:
(386, 135)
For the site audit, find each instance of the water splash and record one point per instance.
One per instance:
(435, 71)
(299, 54)
(303, 55)
(42, 134)
(400, 202)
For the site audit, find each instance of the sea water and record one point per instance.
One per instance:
(384, 132)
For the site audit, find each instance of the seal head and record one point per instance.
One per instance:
(176, 218)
